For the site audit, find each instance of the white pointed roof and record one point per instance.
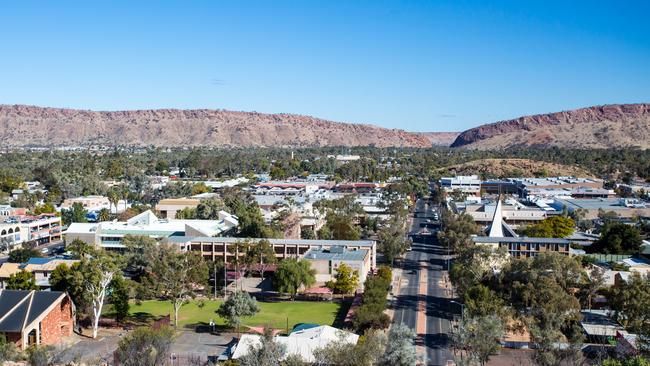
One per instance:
(496, 229)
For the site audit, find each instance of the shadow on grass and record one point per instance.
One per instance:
(339, 319)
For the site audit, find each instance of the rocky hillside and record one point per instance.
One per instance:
(506, 168)
(608, 126)
(35, 126)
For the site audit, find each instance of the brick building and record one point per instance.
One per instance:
(35, 317)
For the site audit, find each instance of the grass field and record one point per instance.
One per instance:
(274, 314)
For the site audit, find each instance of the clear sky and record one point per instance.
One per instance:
(416, 65)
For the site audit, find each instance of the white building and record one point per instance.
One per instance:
(468, 184)
(301, 342)
(109, 234)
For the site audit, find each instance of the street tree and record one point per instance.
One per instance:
(392, 239)
(176, 275)
(477, 338)
(346, 280)
(400, 348)
(239, 305)
(292, 274)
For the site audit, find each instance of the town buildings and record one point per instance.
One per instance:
(30, 230)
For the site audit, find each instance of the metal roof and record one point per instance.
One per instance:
(346, 255)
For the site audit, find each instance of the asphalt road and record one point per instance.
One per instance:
(428, 257)
(49, 246)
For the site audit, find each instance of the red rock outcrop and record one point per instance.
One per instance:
(22, 125)
(608, 126)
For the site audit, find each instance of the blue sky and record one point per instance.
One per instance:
(415, 65)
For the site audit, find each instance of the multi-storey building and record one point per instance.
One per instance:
(467, 184)
(224, 248)
(500, 235)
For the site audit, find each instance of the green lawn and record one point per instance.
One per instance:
(274, 314)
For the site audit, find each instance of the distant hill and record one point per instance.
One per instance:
(22, 125)
(440, 138)
(505, 168)
(608, 126)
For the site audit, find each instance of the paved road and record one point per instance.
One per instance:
(423, 301)
(49, 246)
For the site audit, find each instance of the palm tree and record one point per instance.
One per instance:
(113, 197)
(104, 215)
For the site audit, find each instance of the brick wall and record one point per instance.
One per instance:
(58, 323)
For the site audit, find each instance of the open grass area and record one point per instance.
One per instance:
(274, 314)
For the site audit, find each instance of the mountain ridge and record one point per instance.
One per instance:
(24, 125)
(604, 126)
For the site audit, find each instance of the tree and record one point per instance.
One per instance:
(392, 243)
(345, 281)
(371, 312)
(630, 302)
(477, 338)
(22, 255)
(593, 282)
(76, 213)
(176, 275)
(22, 280)
(199, 188)
(292, 274)
(267, 353)
(145, 347)
(137, 248)
(80, 249)
(552, 227)
(400, 348)
(120, 297)
(97, 274)
(617, 238)
(480, 300)
(239, 305)
(366, 352)
(60, 278)
(209, 209)
(104, 215)
(113, 196)
(261, 256)
(458, 231)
